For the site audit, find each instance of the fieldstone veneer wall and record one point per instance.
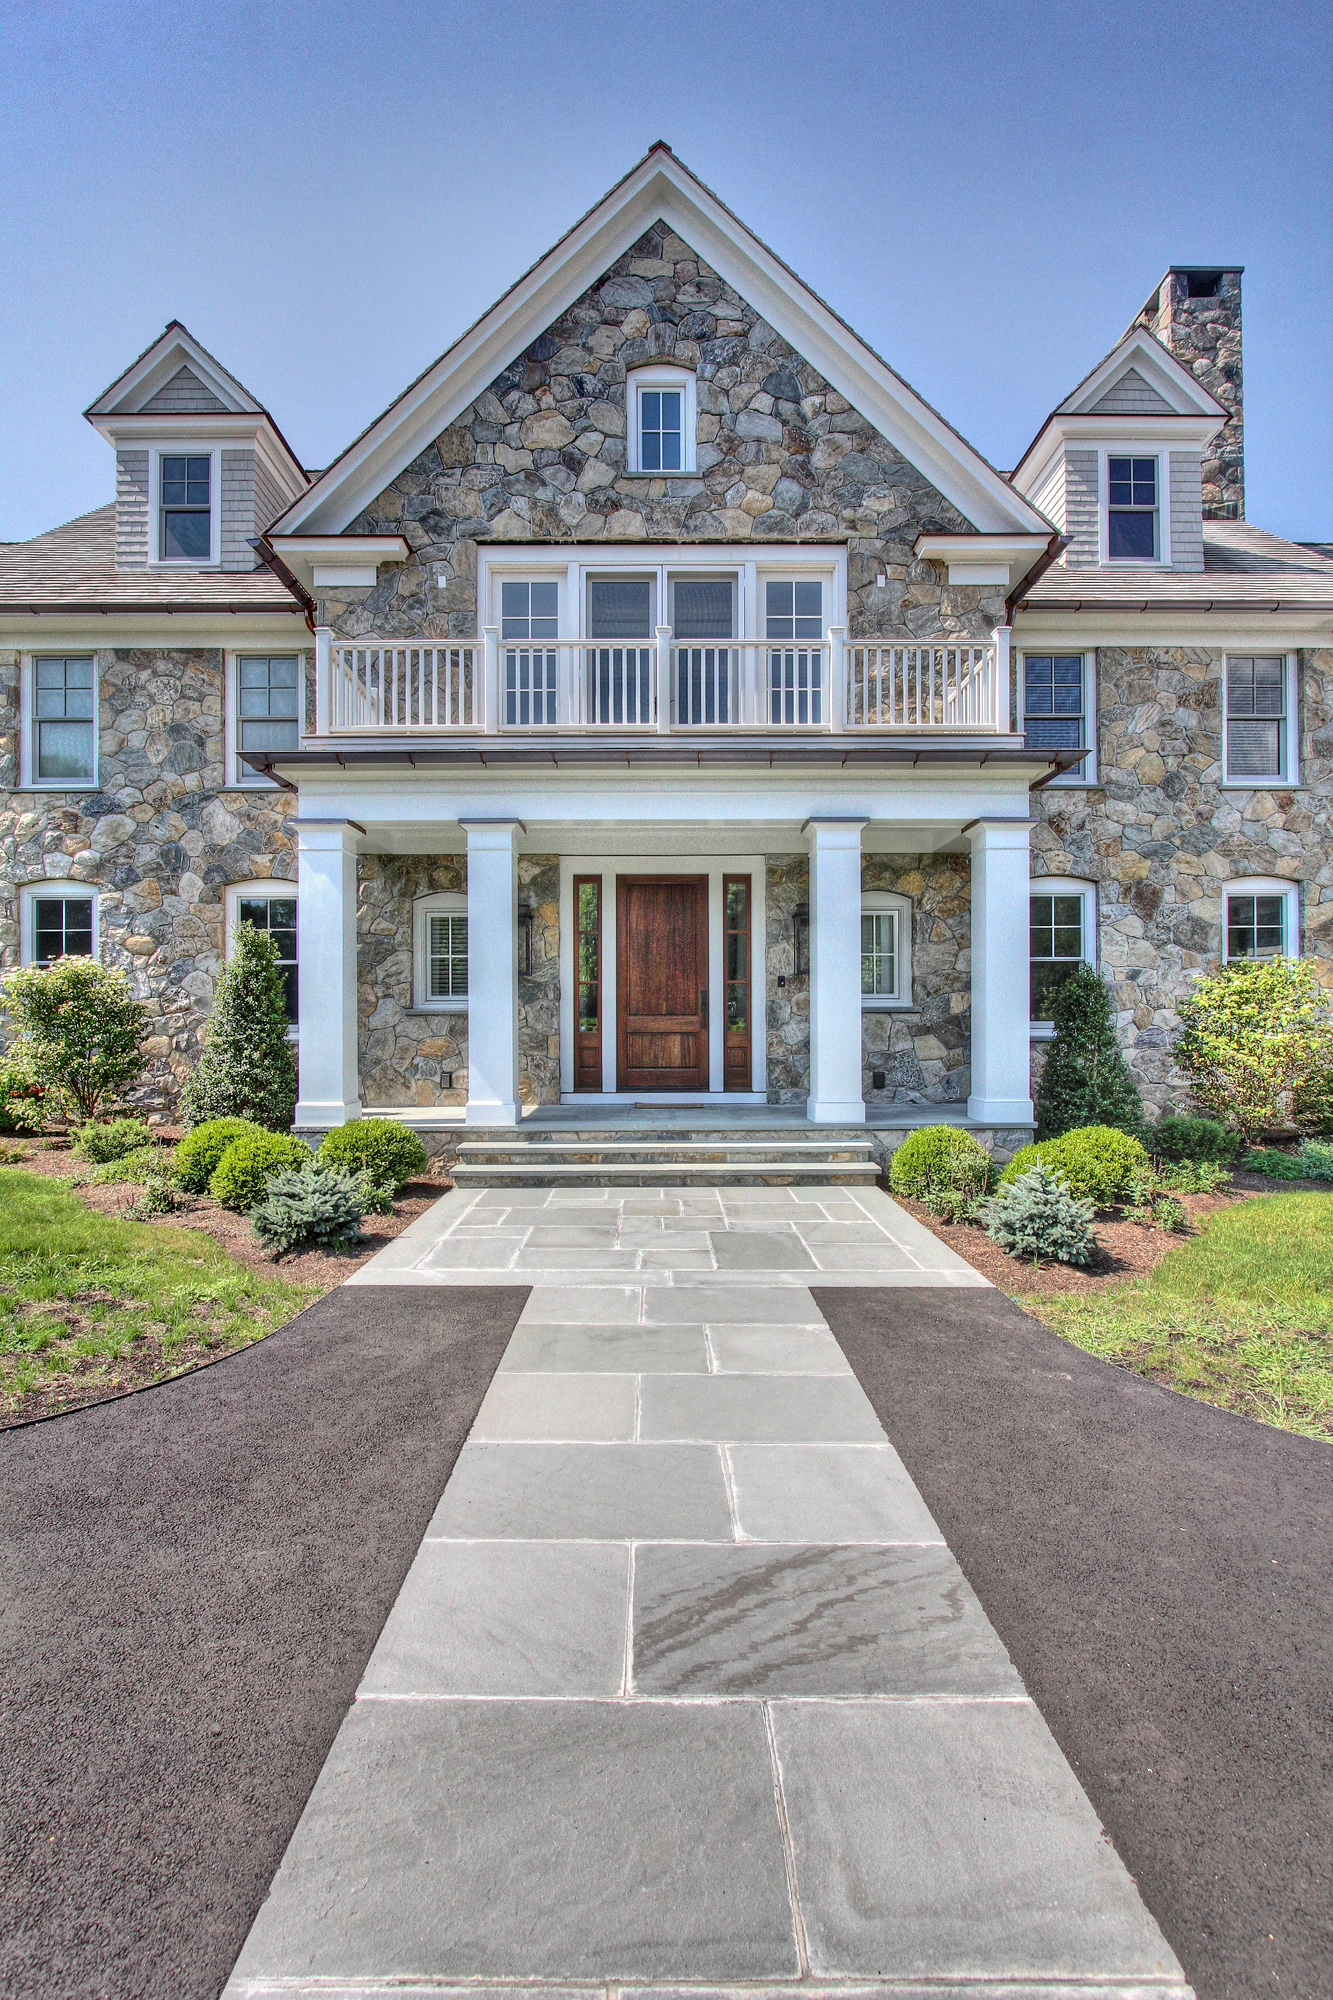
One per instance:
(419, 1057)
(159, 841)
(1159, 835)
(541, 456)
(924, 1050)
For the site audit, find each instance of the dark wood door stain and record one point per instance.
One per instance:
(662, 982)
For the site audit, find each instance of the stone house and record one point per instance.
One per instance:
(662, 704)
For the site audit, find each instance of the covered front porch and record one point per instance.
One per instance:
(731, 953)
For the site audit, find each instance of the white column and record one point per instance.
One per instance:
(1001, 1074)
(326, 964)
(835, 972)
(492, 971)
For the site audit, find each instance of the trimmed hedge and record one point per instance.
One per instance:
(939, 1158)
(196, 1158)
(1098, 1163)
(240, 1179)
(388, 1152)
(1178, 1139)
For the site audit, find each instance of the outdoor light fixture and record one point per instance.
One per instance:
(525, 915)
(800, 938)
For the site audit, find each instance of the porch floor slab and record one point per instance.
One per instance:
(687, 1240)
(685, 1694)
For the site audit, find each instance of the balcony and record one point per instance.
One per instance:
(491, 687)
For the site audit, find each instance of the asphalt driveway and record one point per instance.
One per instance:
(191, 1582)
(1161, 1573)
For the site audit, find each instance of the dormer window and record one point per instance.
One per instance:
(660, 405)
(1131, 525)
(185, 508)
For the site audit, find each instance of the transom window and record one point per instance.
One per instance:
(1256, 717)
(63, 721)
(1056, 947)
(1053, 700)
(1131, 492)
(1256, 926)
(793, 610)
(268, 699)
(186, 509)
(62, 927)
(529, 610)
(275, 915)
(660, 430)
(879, 954)
(446, 954)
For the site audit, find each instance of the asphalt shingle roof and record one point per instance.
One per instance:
(73, 568)
(1244, 569)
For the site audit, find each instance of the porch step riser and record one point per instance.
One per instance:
(775, 1173)
(647, 1156)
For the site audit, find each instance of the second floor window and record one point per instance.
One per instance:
(793, 610)
(1053, 716)
(1256, 717)
(529, 610)
(1131, 526)
(268, 698)
(660, 430)
(186, 509)
(63, 721)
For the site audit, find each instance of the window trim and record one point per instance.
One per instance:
(187, 448)
(573, 563)
(661, 375)
(444, 902)
(874, 902)
(1126, 448)
(1266, 885)
(59, 888)
(271, 888)
(1065, 885)
(238, 777)
(28, 779)
(1086, 773)
(1290, 781)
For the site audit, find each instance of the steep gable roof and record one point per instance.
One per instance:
(1140, 380)
(659, 188)
(146, 385)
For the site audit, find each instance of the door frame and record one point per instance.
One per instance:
(634, 859)
(700, 883)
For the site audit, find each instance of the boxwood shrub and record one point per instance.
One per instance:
(388, 1152)
(195, 1159)
(1178, 1139)
(1097, 1163)
(937, 1159)
(240, 1178)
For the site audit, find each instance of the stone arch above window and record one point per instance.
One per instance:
(660, 413)
(886, 949)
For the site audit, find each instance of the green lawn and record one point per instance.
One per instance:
(1240, 1315)
(89, 1305)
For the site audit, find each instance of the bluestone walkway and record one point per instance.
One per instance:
(684, 1688)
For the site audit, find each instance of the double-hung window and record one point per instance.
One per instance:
(1257, 745)
(660, 430)
(268, 704)
(63, 722)
(273, 911)
(660, 406)
(1260, 919)
(1054, 715)
(1060, 941)
(440, 952)
(185, 507)
(886, 950)
(1132, 528)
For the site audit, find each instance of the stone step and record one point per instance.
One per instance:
(627, 1151)
(674, 1172)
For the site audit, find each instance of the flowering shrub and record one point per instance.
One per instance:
(1255, 1034)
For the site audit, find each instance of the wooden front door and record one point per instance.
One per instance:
(662, 982)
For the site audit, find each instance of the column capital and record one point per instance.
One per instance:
(832, 831)
(495, 834)
(327, 836)
(1002, 831)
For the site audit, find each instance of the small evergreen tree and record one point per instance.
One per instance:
(1086, 1080)
(248, 1067)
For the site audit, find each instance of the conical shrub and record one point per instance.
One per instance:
(248, 1066)
(1086, 1080)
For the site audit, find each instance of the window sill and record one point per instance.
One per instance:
(440, 1010)
(682, 473)
(889, 1007)
(1261, 785)
(1041, 1031)
(66, 785)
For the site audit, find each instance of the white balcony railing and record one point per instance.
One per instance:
(491, 685)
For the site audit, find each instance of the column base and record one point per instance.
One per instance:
(491, 1112)
(314, 1115)
(1001, 1110)
(835, 1110)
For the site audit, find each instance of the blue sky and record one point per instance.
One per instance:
(327, 194)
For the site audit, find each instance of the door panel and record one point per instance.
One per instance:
(662, 982)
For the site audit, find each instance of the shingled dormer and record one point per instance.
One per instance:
(201, 467)
(1118, 466)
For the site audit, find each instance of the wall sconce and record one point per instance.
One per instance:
(800, 939)
(525, 916)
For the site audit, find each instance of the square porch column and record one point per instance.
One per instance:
(492, 971)
(835, 972)
(326, 973)
(1001, 886)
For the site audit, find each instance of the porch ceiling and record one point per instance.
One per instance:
(620, 840)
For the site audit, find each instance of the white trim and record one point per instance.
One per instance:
(185, 446)
(660, 188)
(660, 375)
(1134, 448)
(28, 780)
(1085, 774)
(1290, 777)
(1066, 885)
(62, 889)
(901, 1000)
(1266, 885)
(171, 351)
(1160, 369)
(714, 866)
(442, 902)
(573, 563)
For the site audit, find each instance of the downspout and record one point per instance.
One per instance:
(272, 560)
(1054, 548)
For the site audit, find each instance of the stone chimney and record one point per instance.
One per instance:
(1196, 313)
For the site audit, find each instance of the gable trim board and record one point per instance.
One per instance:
(659, 188)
